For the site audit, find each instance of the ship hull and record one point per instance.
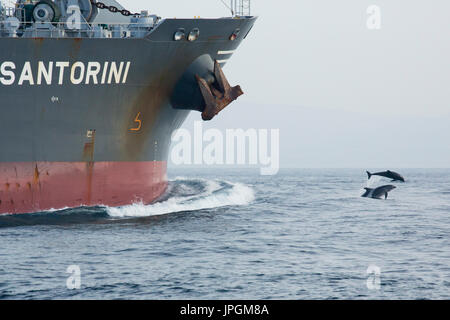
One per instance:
(39, 186)
(75, 131)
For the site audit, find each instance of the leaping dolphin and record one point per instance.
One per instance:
(387, 174)
(377, 193)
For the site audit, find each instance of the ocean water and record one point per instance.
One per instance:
(233, 234)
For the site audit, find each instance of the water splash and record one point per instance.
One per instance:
(190, 195)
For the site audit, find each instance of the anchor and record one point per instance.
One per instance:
(218, 95)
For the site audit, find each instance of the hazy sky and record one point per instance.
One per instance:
(342, 95)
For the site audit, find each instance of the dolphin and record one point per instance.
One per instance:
(377, 193)
(387, 174)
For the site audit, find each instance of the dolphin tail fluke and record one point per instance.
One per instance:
(369, 175)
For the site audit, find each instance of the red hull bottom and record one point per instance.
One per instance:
(27, 187)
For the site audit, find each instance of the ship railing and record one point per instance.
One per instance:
(84, 30)
(8, 11)
(240, 8)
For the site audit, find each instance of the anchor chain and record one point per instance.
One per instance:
(113, 9)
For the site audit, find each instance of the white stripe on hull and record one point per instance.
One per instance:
(225, 52)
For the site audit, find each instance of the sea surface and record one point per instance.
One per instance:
(234, 234)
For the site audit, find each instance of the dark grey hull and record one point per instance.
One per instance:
(50, 122)
(84, 135)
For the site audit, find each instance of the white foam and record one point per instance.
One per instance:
(214, 196)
